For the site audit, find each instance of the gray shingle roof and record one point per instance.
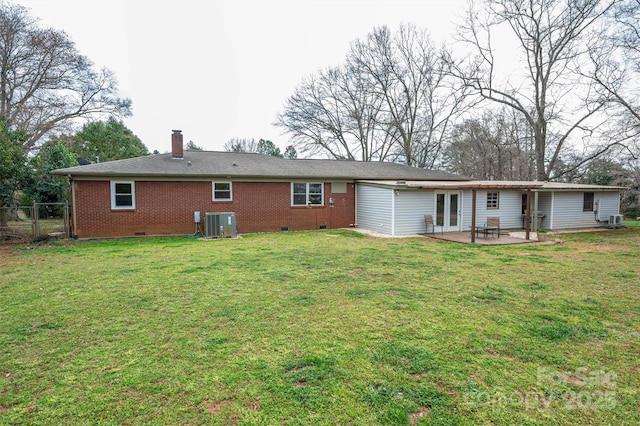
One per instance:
(211, 164)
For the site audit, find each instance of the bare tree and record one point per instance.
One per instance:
(241, 145)
(336, 113)
(559, 105)
(631, 200)
(492, 145)
(616, 70)
(391, 100)
(45, 83)
(419, 101)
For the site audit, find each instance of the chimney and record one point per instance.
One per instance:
(176, 144)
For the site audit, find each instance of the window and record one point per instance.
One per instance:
(123, 195)
(587, 203)
(493, 200)
(304, 193)
(440, 209)
(222, 191)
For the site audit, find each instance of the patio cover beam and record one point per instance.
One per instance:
(473, 215)
(527, 218)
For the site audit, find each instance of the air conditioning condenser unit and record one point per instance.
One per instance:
(220, 225)
(616, 219)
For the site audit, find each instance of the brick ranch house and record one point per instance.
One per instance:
(158, 194)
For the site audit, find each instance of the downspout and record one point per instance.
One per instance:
(535, 211)
(73, 206)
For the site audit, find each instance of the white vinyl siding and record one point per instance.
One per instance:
(401, 211)
(466, 210)
(545, 206)
(568, 209)
(374, 208)
(410, 208)
(509, 211)
(609, 203)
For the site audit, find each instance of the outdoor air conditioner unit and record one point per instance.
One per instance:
(616, 219)
(220, 225)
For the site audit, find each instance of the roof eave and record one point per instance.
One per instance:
(73, 173)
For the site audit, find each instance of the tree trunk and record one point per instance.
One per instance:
(4, 213)
(541, 172)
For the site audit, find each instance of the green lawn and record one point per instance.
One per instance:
(324, 327)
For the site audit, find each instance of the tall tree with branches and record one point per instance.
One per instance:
(493, 144)
(616, 70)
(411, 78)
(336, 114)
(108, 140)
(392, 99)
(547, 88)
(45, 83)
(13, 169)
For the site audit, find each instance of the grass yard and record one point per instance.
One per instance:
(324, 327)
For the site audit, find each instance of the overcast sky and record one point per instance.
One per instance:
(223, 69)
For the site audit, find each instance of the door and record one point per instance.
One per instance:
(448, 210)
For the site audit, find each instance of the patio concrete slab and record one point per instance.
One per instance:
(465, 238)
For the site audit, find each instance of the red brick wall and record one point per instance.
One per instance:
(167, 208)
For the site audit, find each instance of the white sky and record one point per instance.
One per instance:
(221, 69)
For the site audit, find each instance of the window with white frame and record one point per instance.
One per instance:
(123, 195)
(222, 191)
(307, 193)
(493, 200)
